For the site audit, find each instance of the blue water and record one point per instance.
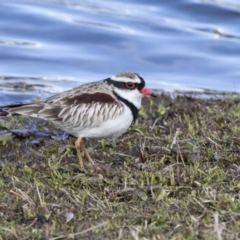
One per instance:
(49, 46)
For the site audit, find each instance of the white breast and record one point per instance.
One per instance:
(109, 129)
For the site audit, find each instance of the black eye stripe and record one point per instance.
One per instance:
(122, 85)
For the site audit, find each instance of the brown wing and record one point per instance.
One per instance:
(85, 106)
(81, 111)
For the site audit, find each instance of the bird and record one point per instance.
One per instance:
(98, 110)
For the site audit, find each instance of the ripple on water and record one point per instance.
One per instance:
(49, 46)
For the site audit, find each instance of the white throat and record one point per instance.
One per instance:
(133, 96)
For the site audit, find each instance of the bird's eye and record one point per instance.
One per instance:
(130, 85)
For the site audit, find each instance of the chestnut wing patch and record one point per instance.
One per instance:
(87, 98)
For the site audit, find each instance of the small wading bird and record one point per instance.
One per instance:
(102, 109)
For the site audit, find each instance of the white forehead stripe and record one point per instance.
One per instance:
(126, 77)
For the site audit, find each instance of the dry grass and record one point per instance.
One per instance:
(174, 175)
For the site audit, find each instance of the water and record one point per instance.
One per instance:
(49, 46)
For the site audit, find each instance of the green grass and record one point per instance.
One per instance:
(174, 175)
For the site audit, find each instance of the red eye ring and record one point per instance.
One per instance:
(130, 85)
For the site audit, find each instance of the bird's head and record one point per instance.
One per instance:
(130, 86)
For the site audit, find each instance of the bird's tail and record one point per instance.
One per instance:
(31, 109)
